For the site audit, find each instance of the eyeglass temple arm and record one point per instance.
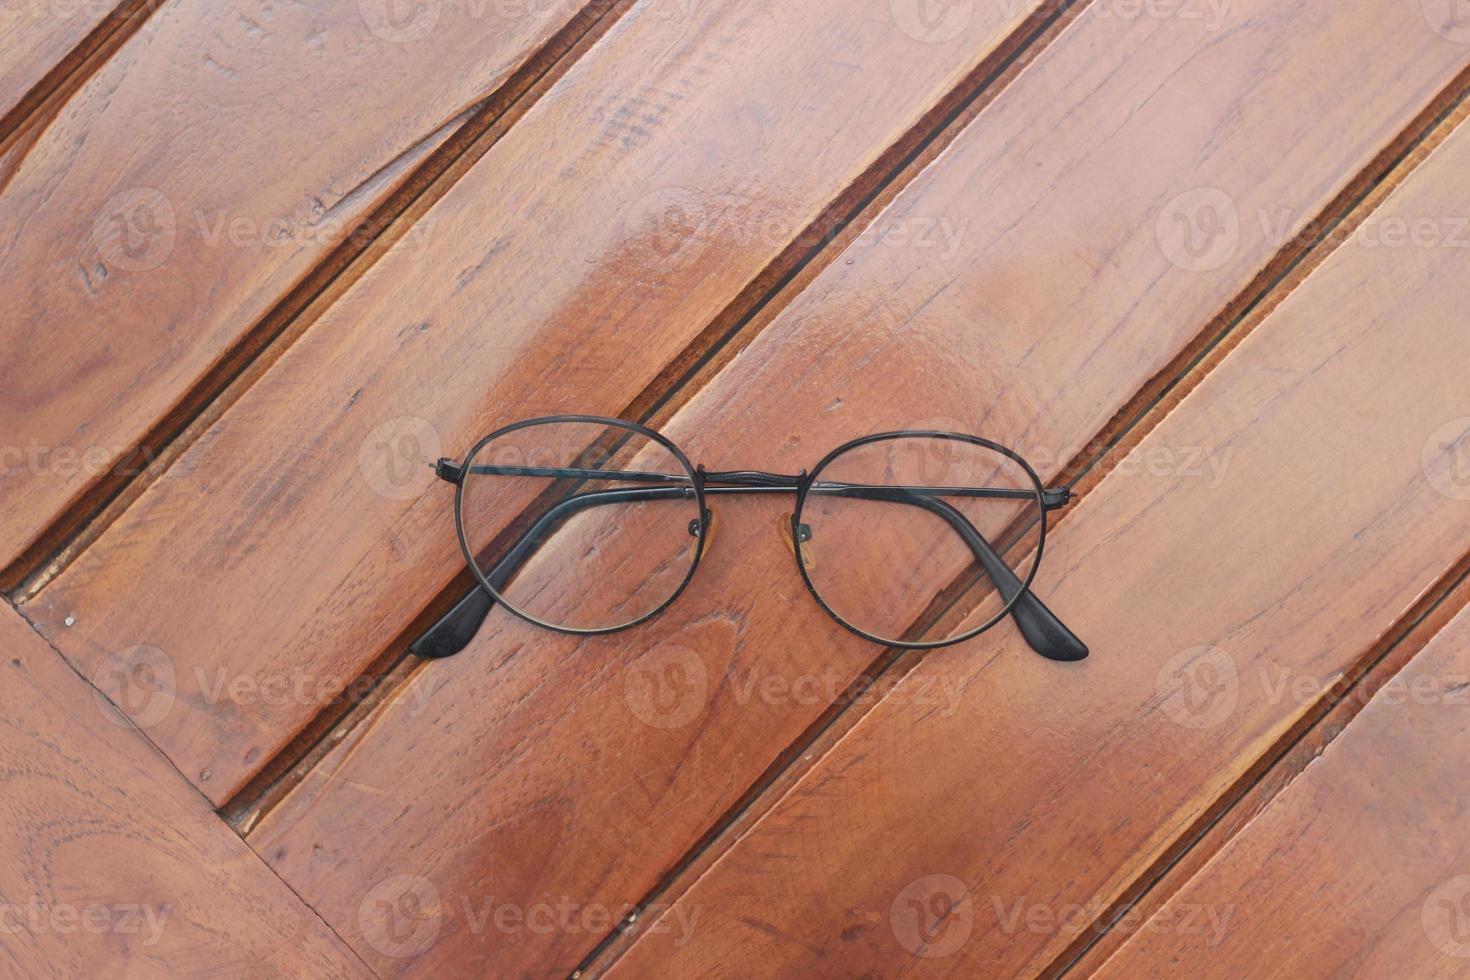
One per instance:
(1046, 633)
(453, 632)
(1041, 627)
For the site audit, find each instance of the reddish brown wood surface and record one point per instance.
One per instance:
(36, 39)
(113, 865)
(1276, 770)
(302, 532)
(195, 178)
(571, 782)
(1360, 867)
(986, 838)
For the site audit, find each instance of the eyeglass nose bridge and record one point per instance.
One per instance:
(717, 480)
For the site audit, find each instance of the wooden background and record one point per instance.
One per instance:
(1207, 261)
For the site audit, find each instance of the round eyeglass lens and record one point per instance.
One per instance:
(919, 539)
(580, 525)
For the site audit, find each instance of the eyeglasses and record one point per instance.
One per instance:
(588, 525)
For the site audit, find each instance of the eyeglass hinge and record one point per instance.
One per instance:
(1058, 497)
(448, 470)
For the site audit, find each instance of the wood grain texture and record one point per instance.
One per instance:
(113, 865)
(1259, 788)
(576, 780)
(1220, 606)
(36, 38)
(198, 175)
(641, 195)
(1360, 867)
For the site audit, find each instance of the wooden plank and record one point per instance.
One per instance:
(1220, 607)
(1258, 788)
(201, 173)
(1361, 866)
(1055, 305)
(113, 865)
(38, 38)
(556, 280)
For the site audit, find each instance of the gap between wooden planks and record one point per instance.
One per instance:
(351, 783)
(1348, 698)
(1122, 435)
(1073, 803)
(113, 863)
(296, 311)
(1359, 866)
(1275, 770)
(42, 60)
(166, 276)
(1091, 466)
(728, 333)
(330, 560)
(1118, 439)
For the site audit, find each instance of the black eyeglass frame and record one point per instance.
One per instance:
(695, 482)
(1038, 493)
(1041, 628)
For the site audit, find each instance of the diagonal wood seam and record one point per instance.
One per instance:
(1279, 764)
(55, 88)
(1405, 634)
(768, 296)
(125, 719)
(476, 129)
(1274, 771)
(772, 289)
(1140, 416)
(22, 127)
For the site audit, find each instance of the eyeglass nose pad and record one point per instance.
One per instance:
(702, 530)
(803, 533)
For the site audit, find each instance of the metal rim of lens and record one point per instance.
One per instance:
(509, 606)
(801, 498)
